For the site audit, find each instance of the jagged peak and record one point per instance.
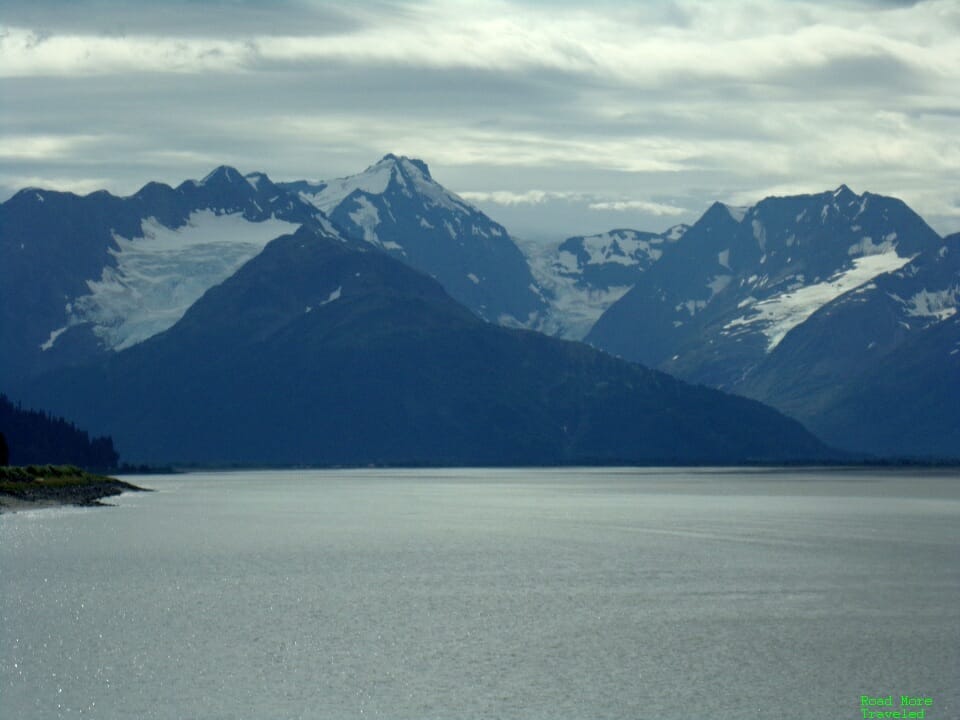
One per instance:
(845, 193)
(404, 163)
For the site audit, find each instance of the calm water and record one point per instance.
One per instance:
(487, 594)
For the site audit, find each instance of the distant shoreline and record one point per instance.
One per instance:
(42, 486)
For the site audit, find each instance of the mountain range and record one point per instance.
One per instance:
(321, 352)
(797, 301)
(375, 318)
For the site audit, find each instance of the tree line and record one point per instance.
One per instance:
(32, 437)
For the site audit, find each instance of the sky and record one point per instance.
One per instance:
(556, 118)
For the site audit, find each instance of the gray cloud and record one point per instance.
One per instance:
(184, 18)
(629, 109)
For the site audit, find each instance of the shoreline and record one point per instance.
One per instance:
(36, 487)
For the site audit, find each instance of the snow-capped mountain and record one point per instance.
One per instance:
(727, 294)
(99, 273)
(891, 345)
(583, 275)
(398, 207)
(798, 302)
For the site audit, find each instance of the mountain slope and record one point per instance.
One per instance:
(316, 352)
(889, 341)
(907, 404)
(397, 206)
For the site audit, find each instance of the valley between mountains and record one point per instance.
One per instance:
(382, 319)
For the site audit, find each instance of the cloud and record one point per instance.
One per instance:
(508, 197)
(651, 208)
(739, 42)
(43, 147)
(673, 103)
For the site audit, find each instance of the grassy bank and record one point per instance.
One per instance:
(41, 485)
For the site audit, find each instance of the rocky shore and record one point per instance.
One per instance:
(35, 486)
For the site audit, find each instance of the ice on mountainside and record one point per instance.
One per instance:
(366, 218)
(573, 308)
(160, 274)
(376, 179)
(373, 180)
(576, 300)
(776, 316)
(620, 246)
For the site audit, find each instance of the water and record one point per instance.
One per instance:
(487, 594)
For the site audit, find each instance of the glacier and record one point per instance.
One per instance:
(160, 274)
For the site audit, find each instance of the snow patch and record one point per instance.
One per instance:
(473, 278)
(53, 338)
(425, 224)
(335, 295)
(939, 304)
(723, 257)
(863, 206)
(676, 232)
(718, 284)
(366, 218)
(691, 306)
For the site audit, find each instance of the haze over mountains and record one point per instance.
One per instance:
(237, 320)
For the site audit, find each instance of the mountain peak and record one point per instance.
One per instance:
(721, 212)
(222, 174)
(843, 193)
(255, 179)
(404, 163)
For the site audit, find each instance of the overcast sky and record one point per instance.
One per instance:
(556, 118)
